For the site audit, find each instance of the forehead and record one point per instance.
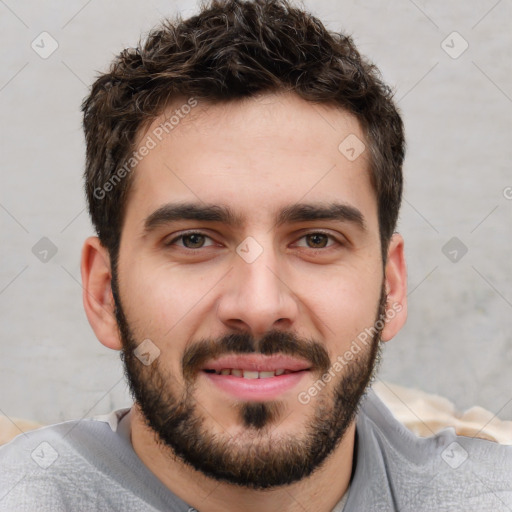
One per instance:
(259, 155)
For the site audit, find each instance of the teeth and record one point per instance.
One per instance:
(248, 374)
(251, 374)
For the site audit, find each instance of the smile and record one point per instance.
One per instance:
(249, 374)
(257, 386)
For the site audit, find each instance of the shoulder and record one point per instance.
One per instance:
(431, 473)
(43, 466)
(45, 445)
(444, 449)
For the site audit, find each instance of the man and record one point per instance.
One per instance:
(244, 179)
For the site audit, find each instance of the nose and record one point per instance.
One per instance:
(256, 296)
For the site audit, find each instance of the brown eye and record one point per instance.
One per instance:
(191, 240)
(196, 240)
(319, 240)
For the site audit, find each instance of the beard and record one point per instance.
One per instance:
(257, 458)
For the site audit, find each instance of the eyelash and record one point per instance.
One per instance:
(200, 233)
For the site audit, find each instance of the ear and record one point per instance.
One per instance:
(396, 288)
(97, 293)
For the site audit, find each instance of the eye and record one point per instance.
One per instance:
(194, 240)
(191, 240)
(318, 239)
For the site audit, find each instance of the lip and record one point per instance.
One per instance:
(270, 388)
(258, 362)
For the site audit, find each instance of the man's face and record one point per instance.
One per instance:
(228, 304)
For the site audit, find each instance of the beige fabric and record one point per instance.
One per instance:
(423, 413)
(11, 427)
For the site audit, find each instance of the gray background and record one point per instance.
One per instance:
(457, 112)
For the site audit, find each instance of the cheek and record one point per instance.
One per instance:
(165, 300)
(169, 302)
(344, 303)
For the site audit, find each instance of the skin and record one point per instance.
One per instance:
(257, 156)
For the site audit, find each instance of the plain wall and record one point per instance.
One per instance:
(457, 112)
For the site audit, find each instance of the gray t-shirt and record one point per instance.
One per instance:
(89, 465)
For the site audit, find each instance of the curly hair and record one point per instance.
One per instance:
(231, 50)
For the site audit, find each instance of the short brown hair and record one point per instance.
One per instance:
(235, 49)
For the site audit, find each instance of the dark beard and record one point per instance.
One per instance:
(259, 460)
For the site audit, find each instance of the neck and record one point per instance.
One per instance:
(320, 491)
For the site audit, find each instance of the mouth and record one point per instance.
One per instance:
(249, 374)
(254, 376)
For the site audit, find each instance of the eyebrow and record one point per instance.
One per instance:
(300, 212)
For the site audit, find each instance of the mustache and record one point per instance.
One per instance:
(273, 342)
